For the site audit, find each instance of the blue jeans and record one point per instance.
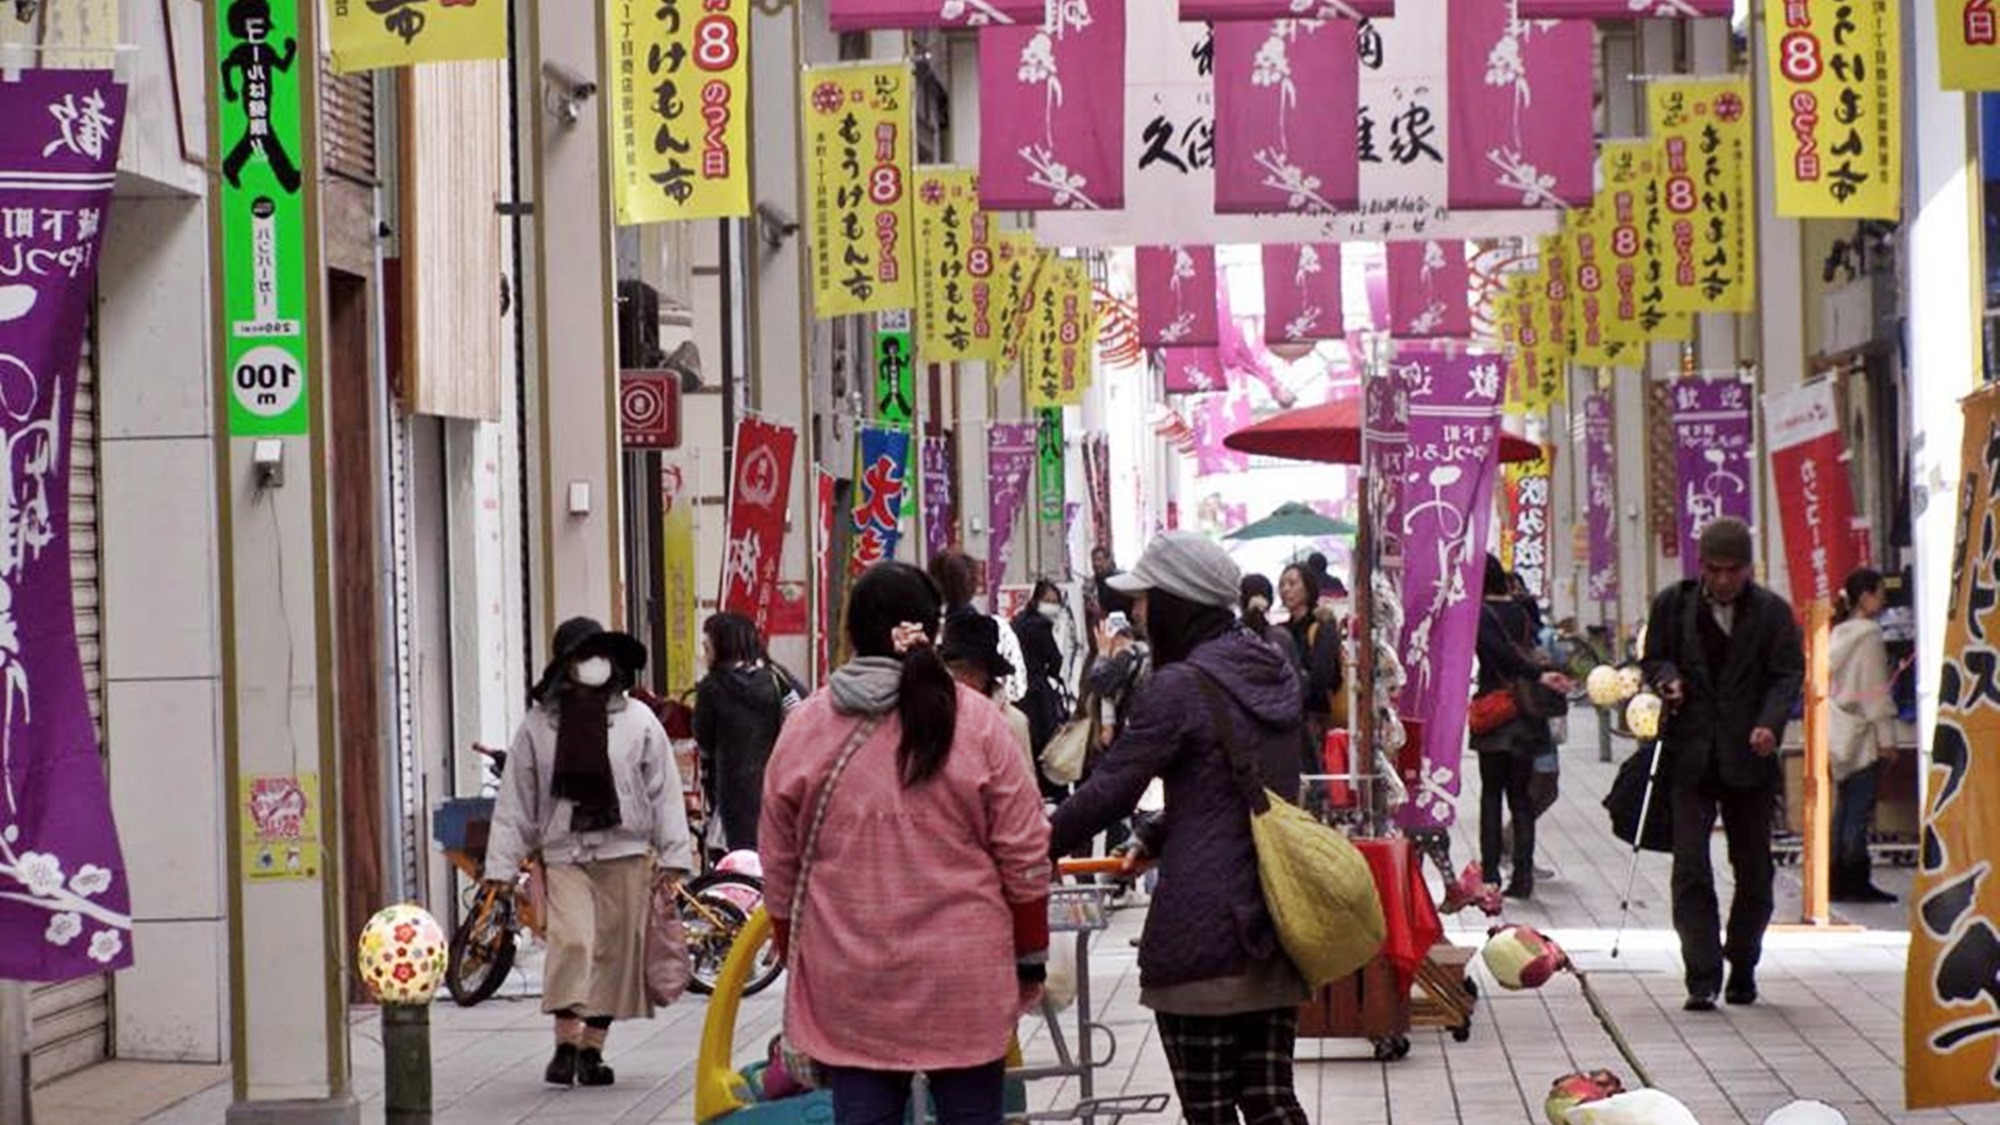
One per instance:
(975, 1095)
(1853, 809)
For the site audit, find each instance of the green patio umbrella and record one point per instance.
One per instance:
(1293, 520)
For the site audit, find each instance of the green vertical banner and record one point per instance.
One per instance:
(1049, 463)
(261, 216)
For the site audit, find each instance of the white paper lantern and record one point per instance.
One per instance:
(1631, 681)
(1642, 715)
(1605, 686)
(402, 955)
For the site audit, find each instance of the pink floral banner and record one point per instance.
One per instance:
(1287, 97)
(1191, 371)
(1242, 352)
(1177, 300)
(862, 15)
(1428, 283)
(1521, 116)
(1220, 11)
(1624, 9)
(1052, 111)
(1218, 416)
(1302, 292)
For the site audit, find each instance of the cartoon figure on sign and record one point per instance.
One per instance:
(258, 63)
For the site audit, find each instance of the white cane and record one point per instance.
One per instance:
(1638, 840)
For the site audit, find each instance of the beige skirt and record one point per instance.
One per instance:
(596, 964)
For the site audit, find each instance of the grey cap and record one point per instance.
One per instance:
(1186, 564)
(1725, 539)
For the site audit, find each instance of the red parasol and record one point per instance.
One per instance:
(1331, 432)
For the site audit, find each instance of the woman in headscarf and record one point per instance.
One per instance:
(591, 787)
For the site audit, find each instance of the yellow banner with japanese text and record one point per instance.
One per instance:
(1701, 127)
(1968, 44)
(1021, 262)
(857, 126)
(1627, 209)
(1835, 69)
(957, 318)
(680, 109)
(1593, 294)
(1552, 294)
(1536, 369)
(1951, 989)
(1062, 335)
(371, 34)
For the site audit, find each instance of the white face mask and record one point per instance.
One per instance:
(1050, 610)
(593, 672)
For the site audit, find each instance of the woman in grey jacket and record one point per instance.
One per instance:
(591, 786)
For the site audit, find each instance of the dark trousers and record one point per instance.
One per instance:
(1505, 775)
(975, 1095)
(1746, 825)
(1853, 812)
(1223, 1064)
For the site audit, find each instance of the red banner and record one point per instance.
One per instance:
(758, 495)
(1803, 428)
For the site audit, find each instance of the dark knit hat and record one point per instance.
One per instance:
(1727, 539)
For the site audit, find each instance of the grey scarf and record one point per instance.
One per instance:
(866, 685)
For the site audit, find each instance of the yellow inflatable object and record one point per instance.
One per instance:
(718, 1089)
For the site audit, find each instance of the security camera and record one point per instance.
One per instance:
(774, 224)
(564, 92)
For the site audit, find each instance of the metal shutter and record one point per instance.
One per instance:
(70, 1023)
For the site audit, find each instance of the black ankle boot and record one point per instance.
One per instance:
(562, 1068)
(590, 1068)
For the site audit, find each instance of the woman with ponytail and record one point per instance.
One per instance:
(905, 868)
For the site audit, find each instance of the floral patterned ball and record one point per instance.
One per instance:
(1604, 687)
(1642, 715)
(402, 955)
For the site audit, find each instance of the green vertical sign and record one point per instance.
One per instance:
(1049, 463)
(261, 214)
(895, 371)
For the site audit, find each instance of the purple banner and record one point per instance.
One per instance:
(1287, 97)
(1521, 115)
(1302, 292)
(862, 15)
(1010, 470)
(939, 509)
(1191, 371)
(1427, 290)
(1385, 450)
(1052, 111)
(1447, 502)
(65, 905)
(1623, 9)
(1195, 11)
(1712, 454)
(1177, 299)
(1600, 467)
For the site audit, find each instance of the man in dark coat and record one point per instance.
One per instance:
(1728, 659)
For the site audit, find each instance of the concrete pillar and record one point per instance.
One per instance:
(571, 365)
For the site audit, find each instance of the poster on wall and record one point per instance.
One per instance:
(281, 816)
(65, 906)
(679, 134)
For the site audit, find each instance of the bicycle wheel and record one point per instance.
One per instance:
(481, 952)
(712, 926)
(743, 894)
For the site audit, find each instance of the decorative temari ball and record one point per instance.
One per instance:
(402, 955)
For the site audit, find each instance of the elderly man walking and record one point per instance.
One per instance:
(1727, 657)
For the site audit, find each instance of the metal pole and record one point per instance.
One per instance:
(17, 1103)
(406, 1063)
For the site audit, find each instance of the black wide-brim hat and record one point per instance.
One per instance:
(582, 637)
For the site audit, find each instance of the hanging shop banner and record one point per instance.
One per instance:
(1445, 521)
(261, 214)
(1712, 458)
(1802, 430)
(940, 510)
(857, 142)
(1051, 110)
(1590, 295)
(1169, 142)
(1527, 524)
(680, 597)
(825, 488)
(1302, 297)
(1049, 463)
(370, 34)
(1522, 121)
(880, 480)
(1626, 218)
(1062, 334)
(1622, 9)
(680, 107)
(1191, 371)
(1553, 286)
(1243, 353)
(1836, 72)
(1286, 95)
(757, 504)
(1385, 443)
(1019, 261)
(1218, 416)
(1010, 461)
(1097, 477)
(1535, 368)
(1655, 251)
(1428, 283)
(869, 15)
(1177, 300)
(1197, 11)
(1968, 44)
(1702, 129)
(1600, 499)
(956, 314)
(895, 371)
(65, 906)
(1951, 989)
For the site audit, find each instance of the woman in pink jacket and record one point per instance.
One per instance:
(906, 870)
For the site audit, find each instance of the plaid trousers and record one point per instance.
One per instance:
(1223, 1064)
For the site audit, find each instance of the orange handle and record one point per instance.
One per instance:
(1100, 865)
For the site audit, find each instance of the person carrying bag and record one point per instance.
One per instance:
(1509, 723)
